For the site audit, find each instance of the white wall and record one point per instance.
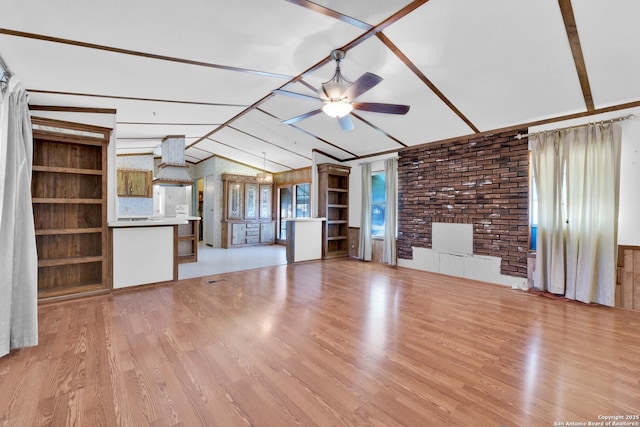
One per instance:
(217, 166)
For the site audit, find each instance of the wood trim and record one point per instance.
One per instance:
(308, 133)
(72, 109)
(556, 119)
(41, 121)
(576, 49)
(148, 55)
(371, 125)
(167, 124)
(332, 14)
(175, 252)
(315, 150)
(396, 50)
(130, 98)
(622, 248)
(628, 277)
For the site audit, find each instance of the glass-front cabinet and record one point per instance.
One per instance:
(247, 210)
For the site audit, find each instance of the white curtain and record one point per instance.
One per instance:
(364, 247)
(577, 173)
(391, 191)
(18, 256)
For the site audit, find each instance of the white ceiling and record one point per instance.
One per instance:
(207, 69)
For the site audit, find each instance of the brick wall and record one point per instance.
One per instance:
(482, 181)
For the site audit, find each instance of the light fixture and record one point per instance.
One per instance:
(333, 89)
(264, 177)
(337, 109)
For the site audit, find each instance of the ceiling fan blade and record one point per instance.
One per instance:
(346, 123)
(377, 107)
(360, 86)
(296, 119)
(296, 95)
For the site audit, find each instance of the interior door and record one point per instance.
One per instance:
(208, 203)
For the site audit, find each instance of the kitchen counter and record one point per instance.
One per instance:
(304, 239)
(144, 221)
(146, 249)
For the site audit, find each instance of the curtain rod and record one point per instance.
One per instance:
(379, 160)
(616, 119)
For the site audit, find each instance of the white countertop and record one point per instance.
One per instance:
(151, 221)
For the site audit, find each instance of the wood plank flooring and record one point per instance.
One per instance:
(340, 343)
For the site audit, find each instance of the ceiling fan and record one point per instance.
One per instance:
(338, 96)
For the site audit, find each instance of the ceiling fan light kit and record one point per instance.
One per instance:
(338, 95)
(337, 109)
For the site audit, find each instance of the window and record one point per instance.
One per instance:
(302, 202)
(533, 207)
(378, 203)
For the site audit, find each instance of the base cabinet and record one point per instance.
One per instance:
(240, 233)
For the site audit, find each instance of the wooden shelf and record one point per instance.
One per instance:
(67, 201)
(54, 231)
(57, 169)
(69, 261)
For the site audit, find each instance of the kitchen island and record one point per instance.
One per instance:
(145, 250)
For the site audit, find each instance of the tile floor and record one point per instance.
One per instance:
(217, 260)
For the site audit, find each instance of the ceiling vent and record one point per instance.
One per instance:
(173, 170)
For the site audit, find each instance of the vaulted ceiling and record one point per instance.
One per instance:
(208, 69)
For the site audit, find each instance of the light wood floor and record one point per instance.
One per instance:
(324, 343)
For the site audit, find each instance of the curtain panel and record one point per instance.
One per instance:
(364, 244)
(389, 254)
(18, 257)
(577, 176)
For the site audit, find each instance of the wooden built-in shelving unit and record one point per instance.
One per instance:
(69, 194)
(333, 204)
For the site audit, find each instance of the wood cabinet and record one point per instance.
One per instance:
(333, 204)
(187, 241)
(69, 190)
(135, 183)
(247, 210)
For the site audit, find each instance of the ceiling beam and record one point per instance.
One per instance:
(93, 110)
(307, 132)
(576, 49)
(331, 13)
(131, 98)
(618, 107)
(394, 139)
